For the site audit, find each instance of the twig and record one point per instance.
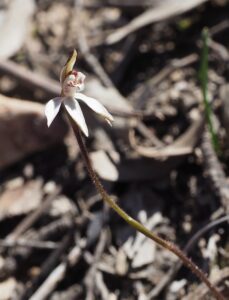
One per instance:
(29, 244)
(219, 27)
(220, 50)
(118, 3)
(101, 286)
(55, 228)
(203, 230)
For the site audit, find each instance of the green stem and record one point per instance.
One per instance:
(203, 75)
(138, 226)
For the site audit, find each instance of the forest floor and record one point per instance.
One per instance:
(57, 239)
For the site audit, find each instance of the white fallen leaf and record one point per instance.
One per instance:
(20, 200)
(104, 166)
(177, 285)
(8, 288)
(14, 25)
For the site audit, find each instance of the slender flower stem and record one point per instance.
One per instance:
(138, 226)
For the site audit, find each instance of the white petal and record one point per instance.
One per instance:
(96, 106)
(75, 112)
(52, 108)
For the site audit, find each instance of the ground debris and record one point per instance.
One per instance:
(58, 240)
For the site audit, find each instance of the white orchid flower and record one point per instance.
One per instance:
(72, 85)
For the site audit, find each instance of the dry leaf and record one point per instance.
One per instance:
(20, 199)
(23, 130)
(14, 25)
(8, 288)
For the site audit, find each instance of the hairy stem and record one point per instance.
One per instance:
(138, 226)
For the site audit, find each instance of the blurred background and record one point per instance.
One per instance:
(142, 58)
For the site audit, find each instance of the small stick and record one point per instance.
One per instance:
(29, 244)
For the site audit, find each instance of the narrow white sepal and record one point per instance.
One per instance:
(52, 108)
(74, 110)
(96, 106)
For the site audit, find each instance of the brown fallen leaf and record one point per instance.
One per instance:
(14, 26)
(139, 249)
(21, 199)
(23, 130)
(104, 166)
(8, 288)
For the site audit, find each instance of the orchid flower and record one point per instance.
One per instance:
(72, 84)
